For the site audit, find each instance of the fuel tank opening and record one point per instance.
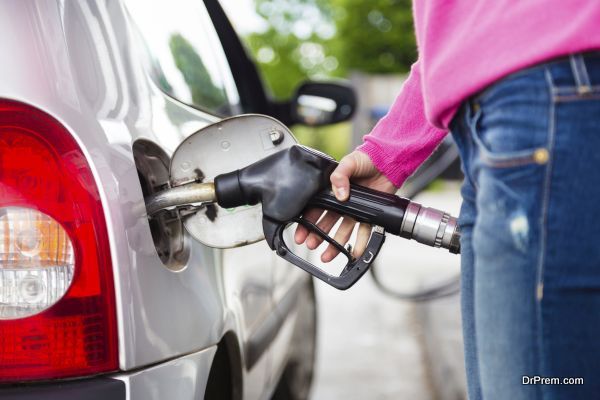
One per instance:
(171, 241)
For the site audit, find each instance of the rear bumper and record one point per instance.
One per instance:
(88, 389)
(181, 378)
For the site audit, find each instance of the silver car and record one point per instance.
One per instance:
(98, 301)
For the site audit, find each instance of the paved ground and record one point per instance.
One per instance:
(375, 347)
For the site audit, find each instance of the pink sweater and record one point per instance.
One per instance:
(464, 46)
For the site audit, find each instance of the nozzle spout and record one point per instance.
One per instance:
(179, 196)
(431, 227)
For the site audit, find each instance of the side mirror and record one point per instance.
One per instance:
(322, 103)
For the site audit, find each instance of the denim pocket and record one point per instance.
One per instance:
(504, 141)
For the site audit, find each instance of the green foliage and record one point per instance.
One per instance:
(292, 48)
(319, 39)
(277, 56)
(375, 36)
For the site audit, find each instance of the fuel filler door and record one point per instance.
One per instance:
(228, 145)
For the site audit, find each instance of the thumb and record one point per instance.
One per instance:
(340, 177)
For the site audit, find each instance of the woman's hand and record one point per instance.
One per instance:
(358, 167)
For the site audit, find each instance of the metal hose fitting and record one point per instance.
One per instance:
(189, 194)
(431, 227)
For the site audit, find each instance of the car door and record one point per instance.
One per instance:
(186, 61)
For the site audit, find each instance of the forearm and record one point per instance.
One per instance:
(403, 139)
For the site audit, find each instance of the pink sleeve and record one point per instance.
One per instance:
(403, 139)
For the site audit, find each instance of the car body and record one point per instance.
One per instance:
(191, 320)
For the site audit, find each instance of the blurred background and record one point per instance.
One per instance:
(384, 338)
(369, 42)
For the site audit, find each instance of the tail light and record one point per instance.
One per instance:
(57, 307)
(37, 262)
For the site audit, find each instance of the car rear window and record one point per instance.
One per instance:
(182, 54)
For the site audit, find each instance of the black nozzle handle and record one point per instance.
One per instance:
(352, 272)
(366, 205)
(283, 182)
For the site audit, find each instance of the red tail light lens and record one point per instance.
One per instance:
(42, 168)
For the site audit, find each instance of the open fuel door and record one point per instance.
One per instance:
(228, 145)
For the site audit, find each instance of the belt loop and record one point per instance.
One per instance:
(582, 79)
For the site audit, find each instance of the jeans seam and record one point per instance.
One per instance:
(470, 176)
(570, 89)
(564, 98)
(510, 160)
(470, 145)
(539, 289)
(580, 73)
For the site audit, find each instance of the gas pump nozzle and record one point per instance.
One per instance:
(295, 179)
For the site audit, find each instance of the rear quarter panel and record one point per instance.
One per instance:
(74, 60)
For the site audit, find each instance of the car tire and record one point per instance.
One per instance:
(296, 379)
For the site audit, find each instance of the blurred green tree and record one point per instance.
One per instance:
(375, 36)
(293, 47)
(204, 91)
(320, 39)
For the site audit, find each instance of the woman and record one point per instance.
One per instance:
(518, 85)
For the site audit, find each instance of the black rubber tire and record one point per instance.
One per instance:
(296, 379)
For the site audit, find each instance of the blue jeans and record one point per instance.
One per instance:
(530, 219)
